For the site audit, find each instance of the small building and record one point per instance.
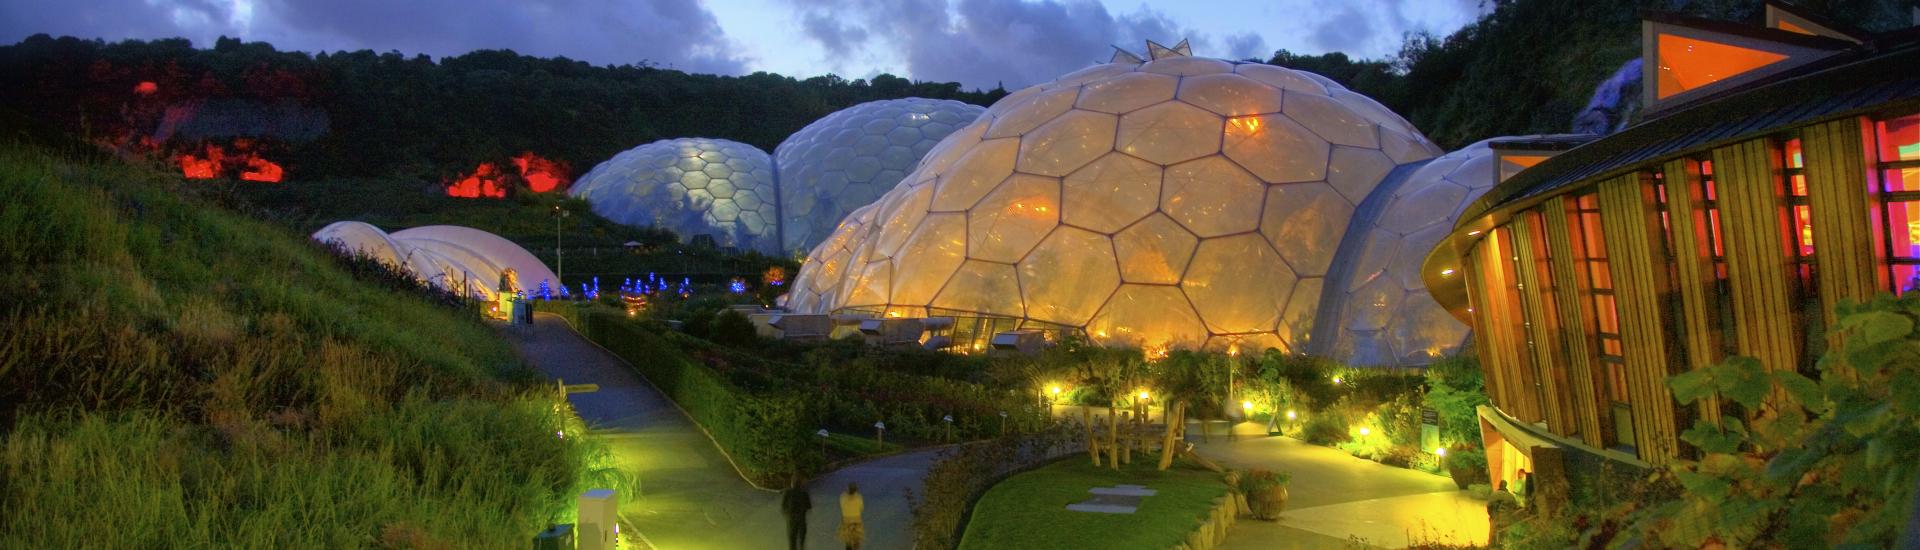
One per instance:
(1774, 174)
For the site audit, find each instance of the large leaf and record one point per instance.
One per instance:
(1744, 380)
(1692, 385)
(1802, 389)
(1874, 327)
(1714, 439)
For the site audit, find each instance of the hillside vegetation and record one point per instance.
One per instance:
(175, 375)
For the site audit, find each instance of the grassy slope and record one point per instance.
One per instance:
(1029, 510)
(177, 375)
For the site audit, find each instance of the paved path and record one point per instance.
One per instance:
(691, 496)
(1335, 499)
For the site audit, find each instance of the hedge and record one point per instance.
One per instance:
(765, 434)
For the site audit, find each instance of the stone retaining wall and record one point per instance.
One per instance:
(1214, 526)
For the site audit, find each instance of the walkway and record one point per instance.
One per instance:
(1335, 499)
(691, 497)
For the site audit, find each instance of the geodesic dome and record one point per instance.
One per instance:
(1181, 202)
(462, 259)
(691, 186)
(849, 158)
(1389, 318)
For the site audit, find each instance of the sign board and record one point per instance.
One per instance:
(1429, 416)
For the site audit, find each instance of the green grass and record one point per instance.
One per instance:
(854, 446)
(1029, 510)
(176, 374)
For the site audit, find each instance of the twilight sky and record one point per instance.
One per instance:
(976, 42)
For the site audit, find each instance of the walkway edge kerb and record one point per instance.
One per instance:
(676, 404)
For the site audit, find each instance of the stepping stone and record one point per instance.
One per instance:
(1123, 490)
(1119, 499)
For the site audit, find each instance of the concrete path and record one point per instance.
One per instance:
(1334, 499)
(691, 496)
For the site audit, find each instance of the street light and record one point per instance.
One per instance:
(559, 262)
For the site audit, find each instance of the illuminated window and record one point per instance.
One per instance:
(1550, 372)
(1899, 148)
(1706, 222)
(1809, 315)
(1689, 63)
(1603, 316)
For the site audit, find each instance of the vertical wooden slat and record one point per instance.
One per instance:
(1759, 265)
(1506, 352)
(1538, 312)
(1693, 272)
(1635, 254)
(1838, 195)
(1568, 280)
(1476, 301)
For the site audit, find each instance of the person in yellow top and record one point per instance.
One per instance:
(851, 505)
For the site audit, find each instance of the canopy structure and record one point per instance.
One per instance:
(847, 159)
(692, 187)
(462, 259)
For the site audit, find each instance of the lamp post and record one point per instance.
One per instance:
(559, 262)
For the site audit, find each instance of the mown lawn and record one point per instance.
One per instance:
(1029, 510)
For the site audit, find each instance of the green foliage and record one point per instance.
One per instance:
(1820, 462)
(221, 375)
(1455, 391)
(731, 328)
(1258, 480)
(1326, 428)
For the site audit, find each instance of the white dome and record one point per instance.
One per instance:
(446, 256)
(1389, 318)
(361, 238)
(849, 158)
(1179, 202)
(691, 186)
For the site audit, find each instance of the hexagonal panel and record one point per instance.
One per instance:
(1405, 267)
(1423, 331)
(1042, 108)
(1296, 322)
(1127, 92)
(1354, 171)
(1305, 222)
(1229, 95)
(1246, 345)
(870, 287)
(975, 174)
(1065, 279)
(1169, 133)
(1147, 316)
(1111, 192)
(1066, 143)
(1404, 148)
(1276, 149)
(1013, 218)
(983, 287)
(1238, 284)
(1434, 203)
(1370, 306)
(1212, 197)
(1332, 119)
(929, 258)
(1279, 77)
(1374, 256)
(902, 214)
(952, 148)
(1156, 250)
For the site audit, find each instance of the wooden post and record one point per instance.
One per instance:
(1126, 441)
(1113, 437)
(1174, 415)
(1093, 444)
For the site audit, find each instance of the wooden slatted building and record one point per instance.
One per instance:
(1773, 175)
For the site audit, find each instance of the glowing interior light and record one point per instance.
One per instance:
(1291, 415)
(1440, 451)
(1448, 272)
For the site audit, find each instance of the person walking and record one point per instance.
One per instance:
(851, 505)
(795, 503)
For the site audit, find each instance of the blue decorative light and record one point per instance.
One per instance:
(737, 286)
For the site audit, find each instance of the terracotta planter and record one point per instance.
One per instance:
(1464, 476)
(1268, 503)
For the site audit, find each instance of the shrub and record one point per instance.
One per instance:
(959, 475)
(1325, 428)
(1455, 390)
(732, 328)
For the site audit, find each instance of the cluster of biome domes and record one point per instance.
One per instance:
(1166, 202)
(1170, 202)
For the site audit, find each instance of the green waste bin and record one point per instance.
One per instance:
(557, 537)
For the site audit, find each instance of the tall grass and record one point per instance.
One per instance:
(174, 374)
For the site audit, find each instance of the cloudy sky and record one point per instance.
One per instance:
(976, 42)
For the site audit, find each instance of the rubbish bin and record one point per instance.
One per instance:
(557, 537)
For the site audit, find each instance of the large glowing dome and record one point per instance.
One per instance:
(1181, 202)
(849, 158)
(691, 186)
(461, 259)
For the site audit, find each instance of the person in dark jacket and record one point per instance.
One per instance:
(795, 503)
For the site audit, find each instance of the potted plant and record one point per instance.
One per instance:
(1467, 465)
(1266, 492)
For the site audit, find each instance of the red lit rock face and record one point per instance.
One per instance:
(214, 162)
(483, 182)
(146, 88)
(542, 175)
